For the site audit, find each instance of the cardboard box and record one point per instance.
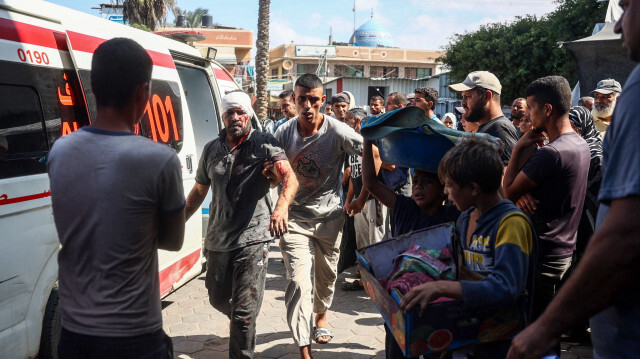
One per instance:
(444, 325)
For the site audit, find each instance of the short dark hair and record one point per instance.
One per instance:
(376, 98)
(481, 91)
(399, 98)
(430, 94)
(473, 160)
(118, 67)
(554, 90)
(286, 94)
(309, 81)
(519, 99)
(358, 113)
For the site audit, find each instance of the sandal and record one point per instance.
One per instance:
(322, 332)
(352, 286)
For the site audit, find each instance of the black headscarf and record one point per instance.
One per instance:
(581, 117)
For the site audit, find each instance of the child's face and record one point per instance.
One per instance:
(426, 189)
(462, 197)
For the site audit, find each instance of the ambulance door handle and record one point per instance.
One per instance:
(189, 164)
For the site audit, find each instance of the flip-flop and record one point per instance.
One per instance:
(322, 332)
(352, 286)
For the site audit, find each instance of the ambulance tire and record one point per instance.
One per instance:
(51, 327)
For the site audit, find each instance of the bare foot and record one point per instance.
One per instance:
(305, 352)
(321, 322)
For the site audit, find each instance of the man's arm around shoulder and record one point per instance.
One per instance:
(282, 169)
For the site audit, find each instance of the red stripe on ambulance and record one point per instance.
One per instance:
(222, 75)
(88, 43)
(173, 273)
(4, 199)
(31, 34)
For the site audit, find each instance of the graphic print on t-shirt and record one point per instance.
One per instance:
(355, 162)
(307, 166)
(479, 257)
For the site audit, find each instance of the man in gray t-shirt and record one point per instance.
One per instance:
(316, 146)
(116, 198)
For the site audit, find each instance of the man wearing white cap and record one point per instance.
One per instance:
(236, 243)
(481, 101)
(605, 97)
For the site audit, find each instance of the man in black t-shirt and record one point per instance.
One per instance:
(481, 101)
(552, 184)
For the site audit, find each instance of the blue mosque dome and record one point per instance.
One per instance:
(372, 34)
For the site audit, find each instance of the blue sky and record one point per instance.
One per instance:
(419, 24)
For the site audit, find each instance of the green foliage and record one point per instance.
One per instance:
(141, 27)
(147, 12)
(521, 51)
(193, 18)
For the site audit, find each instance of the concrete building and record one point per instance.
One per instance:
(365, 88)
(369, 54)
(233, 48)
(368, 65)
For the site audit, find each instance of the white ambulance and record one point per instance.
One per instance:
(45, 93)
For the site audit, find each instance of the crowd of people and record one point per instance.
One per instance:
(523, 193)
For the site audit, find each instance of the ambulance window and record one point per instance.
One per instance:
(70, 112)
(23, 141)
(162, 117)
(202, 109)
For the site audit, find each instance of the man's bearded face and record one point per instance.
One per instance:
(604, 105)
(475, 106)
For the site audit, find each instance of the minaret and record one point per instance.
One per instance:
(354, 16)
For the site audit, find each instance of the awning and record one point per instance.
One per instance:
(598, 57)
(226, 55)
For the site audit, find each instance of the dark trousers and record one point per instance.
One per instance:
(156, 345)
(547, 284)
(235, 281)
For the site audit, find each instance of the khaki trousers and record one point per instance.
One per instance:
(310, 246)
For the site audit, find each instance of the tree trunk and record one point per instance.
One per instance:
(262, 60)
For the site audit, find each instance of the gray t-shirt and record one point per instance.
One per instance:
(318, 163)
(240, 209)
(615, 332)
(109, 191)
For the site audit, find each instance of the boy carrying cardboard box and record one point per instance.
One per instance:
(496, 237)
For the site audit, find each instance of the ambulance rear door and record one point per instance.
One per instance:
(40, 100)
(166, 120)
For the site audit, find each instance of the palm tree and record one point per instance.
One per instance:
(194, 18)
(146, 12)
(262, 59)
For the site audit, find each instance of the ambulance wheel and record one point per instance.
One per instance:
(51, 327)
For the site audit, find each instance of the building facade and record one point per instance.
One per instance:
(370, 53)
